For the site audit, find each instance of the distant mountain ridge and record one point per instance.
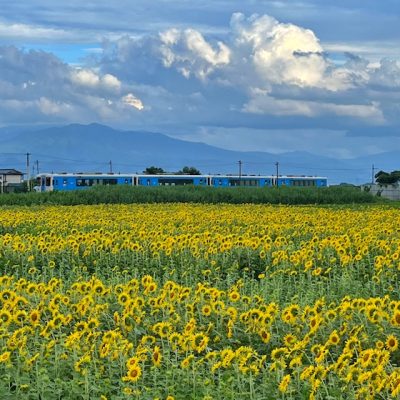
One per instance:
(77, 147)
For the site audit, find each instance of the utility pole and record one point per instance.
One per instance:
(240, 171)
(110, 163)
(28, 175)
(37, 167)
(277, 173)
(373, 174)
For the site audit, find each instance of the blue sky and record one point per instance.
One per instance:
(313, 75)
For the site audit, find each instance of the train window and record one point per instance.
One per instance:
(55, 182)
(84, 182)
(48, 181)
(110, 181)
(64, 182)
(175, 181)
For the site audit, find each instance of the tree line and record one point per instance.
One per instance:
(387, 178)
(184, 171)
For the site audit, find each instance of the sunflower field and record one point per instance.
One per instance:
(193, 301)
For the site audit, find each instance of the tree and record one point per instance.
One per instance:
(386, 178)
(189, 171)
(153, 170)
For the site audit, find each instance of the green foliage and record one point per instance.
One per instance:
(193, 194)
(153, 170)
(386, 178)
(189, 171)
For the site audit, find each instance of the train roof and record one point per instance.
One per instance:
(231, 176)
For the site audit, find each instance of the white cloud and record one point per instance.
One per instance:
(50, 107)
(36, 86)
(31, 32)
(190, 53)
(283, 53)
(133, 101)
(262, 103)
(89, 78)
(259, 67)
(111, 82)
(85, 77)
(386, 74)
(373, 50)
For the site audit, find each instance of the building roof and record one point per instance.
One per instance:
(9, 171)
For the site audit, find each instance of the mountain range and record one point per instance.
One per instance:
(99, 148)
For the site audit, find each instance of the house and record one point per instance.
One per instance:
(11, 180)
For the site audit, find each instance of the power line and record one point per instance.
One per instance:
(12, 154)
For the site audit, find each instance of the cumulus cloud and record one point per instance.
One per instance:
(89, 78)
(280, 53)
(190, 53)
(387, 74)
(37, 87)
(259, 68)
(263, 59)
(286, 54)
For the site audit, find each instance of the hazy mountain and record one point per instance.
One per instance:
(76, 148)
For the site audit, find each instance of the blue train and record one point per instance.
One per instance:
(76, 181)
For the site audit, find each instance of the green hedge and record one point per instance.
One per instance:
(192, 194)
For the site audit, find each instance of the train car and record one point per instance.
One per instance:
(172, 180)
(301, 181)
(240, 181)
(267, 181)
(79, 181)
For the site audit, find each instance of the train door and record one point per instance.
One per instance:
(43, 184)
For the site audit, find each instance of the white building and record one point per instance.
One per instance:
(10, 180)
(391, 192)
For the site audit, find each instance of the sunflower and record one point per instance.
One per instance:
(123, 298)
(333, 339)
(199, 342)
(156, 356)
(132, 362)
(265, 335)
(206, 310)
(396, 318)
(5, 317)
(133, 374)
(284, 384)
(392, 343)
(185, 363)
(4, 357)
(234, 296)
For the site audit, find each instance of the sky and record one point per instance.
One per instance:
(310, 75)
